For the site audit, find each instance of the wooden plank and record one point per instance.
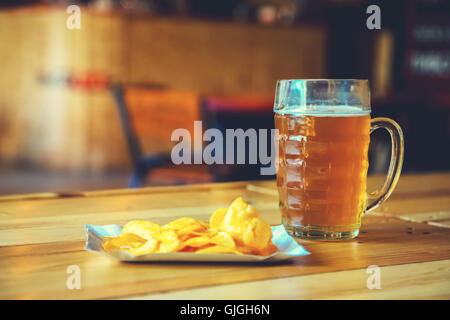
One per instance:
(41, 238)
(426, 216)
(397, 207)
(403, 282)
(414, 185)
(38, 271)
(442, 224)
(409, 186)
(131, 202)
(117, 192)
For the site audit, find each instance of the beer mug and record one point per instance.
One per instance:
(323, 139)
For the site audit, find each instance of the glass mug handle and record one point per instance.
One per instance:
(376, 198)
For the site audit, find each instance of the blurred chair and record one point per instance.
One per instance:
(148, 115)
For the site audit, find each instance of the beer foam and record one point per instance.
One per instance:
(324, 111)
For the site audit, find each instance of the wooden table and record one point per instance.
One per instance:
(41, 235)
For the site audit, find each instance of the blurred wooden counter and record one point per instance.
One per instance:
(48, 123)
(42, 235)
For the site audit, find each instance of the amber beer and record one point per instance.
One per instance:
(324, 128)
(322, 170)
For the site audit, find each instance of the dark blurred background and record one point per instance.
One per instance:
(93, 108)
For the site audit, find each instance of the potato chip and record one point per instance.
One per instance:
(258, 234)
(236, 229)
(183, 223)
(268, 250)
(239, 210)
(245, 250)
(144, 229)
(233, 230)
(217, 217)
(223, 239)
(127, 240)
(197, 242)
(204, 224)
(188, 249)
(193, 229)
(242, 223)
(169, 241)
(150, 246)
(208, 233)
(237, 218)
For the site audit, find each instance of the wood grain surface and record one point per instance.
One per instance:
(42, 235)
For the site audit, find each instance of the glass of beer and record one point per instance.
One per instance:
(323, 139)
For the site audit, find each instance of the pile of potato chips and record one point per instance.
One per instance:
(235, 230)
